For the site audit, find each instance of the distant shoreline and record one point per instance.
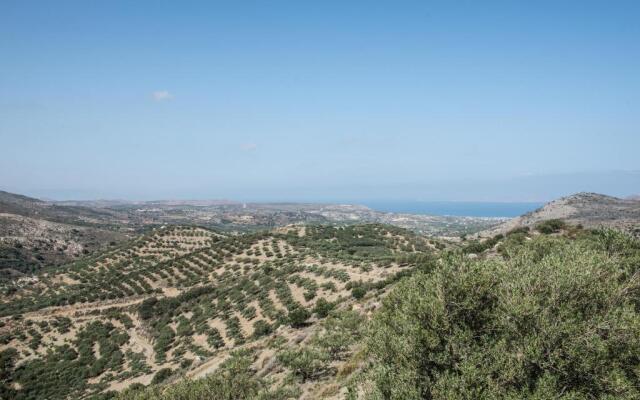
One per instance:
(455, 208)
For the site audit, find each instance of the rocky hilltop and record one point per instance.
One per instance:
(590, 210)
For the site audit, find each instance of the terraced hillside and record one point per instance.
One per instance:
(35, 234)
(545, 314)
(180, 301)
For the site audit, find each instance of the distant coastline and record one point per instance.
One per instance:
(455, 208)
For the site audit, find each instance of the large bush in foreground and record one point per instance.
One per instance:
(558, 319)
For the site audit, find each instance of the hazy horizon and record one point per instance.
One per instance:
(530, 189)
(331, 101)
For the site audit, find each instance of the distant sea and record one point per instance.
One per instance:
(454, 208)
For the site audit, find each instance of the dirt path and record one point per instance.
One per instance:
(61, 311)
(208, 366)
(140, 343)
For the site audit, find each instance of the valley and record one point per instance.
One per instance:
(280, 313)
(36, 233)
(327, 200)
(179, 299)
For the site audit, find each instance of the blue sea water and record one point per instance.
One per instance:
(455, 208)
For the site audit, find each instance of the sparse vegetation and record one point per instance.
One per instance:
(517, 315)
(234, 380)
(551, 226)
(225, 292)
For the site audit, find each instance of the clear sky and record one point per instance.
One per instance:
(324, 100)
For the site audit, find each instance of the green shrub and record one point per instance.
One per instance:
(214, 339)
(339, 331)
(359, 291)
(163, 343)
(145, 310)
(184, 327)
(521, 229)
(305, 362)
(309, 294)
(162, 375)
(551, 226)
(323, 307)
(8, 358)
(298, 317)
(477, 247)
(234, 380)
(261, 328)
(558, 319)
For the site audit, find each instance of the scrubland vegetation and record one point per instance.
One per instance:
(551, 318)
(169, 303)
(367, 312)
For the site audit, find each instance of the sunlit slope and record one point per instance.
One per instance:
(550, 313)
(179, 298)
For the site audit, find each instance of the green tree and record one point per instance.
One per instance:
(323, 307)
(261, 328)
(298, 317)
(556, 319)
(305, 362)
(162, 375)
(339, 332)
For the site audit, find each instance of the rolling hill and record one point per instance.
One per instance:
(315, 312)
(179, 301)
(328, 311)
(35, 233)
(590, 210)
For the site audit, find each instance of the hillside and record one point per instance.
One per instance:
(179, 300)
(34, 233)
(16, 204)
(329, 312)
(293, 311)
(591, 210)
(536, 316)
(233, 216)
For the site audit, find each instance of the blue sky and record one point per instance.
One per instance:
(425, 100)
